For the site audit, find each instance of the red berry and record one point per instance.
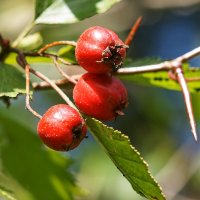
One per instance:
(61, 128)
(100, 95)
(99, 50)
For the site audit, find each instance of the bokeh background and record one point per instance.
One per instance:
(155, 119)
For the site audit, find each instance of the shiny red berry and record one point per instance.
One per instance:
(100, 95)
(99, 50)
(61, 128)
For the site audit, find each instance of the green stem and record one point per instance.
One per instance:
(25, 32)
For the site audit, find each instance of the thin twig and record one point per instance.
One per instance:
(62, 72)
(27, 70)
(64, 61)
(189, 55)
(133, 31)
(54, 86)
(192, 79)
(60, 82)
(164, 66)
(23, 63)
(44, 85)
(53, 44)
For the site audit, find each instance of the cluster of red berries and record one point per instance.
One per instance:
(97, 93)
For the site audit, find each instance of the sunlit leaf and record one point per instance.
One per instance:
(30, 42)
(69, 11)
(6, 194)
(12, 81)
(127, 159)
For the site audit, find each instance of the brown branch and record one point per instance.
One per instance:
(54, 86)
(164, 66)
(189, 55)
(60, 82)
(69, 78)
(23, 63)
(192, 79)
(174, 68)
(28, 106)
(44, 85)
(53, 44)
(5, 48)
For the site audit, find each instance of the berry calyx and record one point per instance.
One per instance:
(100, 96)
(61, 128)
(99, 50)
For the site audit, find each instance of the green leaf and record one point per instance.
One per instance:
(11, 59)
(5, 195)
(12, 81)
(67, 53)
(69, 11)
(161, 79)
(126, 158)
(30, 42)
(29, 171)
(41, 6)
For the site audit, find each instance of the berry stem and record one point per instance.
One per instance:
(69, 78)
(53, 44)
(44, 85)
(59, 82)
(27, 70)
(22, 62)
(54, 86)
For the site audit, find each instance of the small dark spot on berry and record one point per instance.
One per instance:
(77, 130)
(64, 147)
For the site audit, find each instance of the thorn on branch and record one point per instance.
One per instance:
(133, 31)
(177, 74)
(188, 103)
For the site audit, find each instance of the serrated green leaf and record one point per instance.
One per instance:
(161, 79)
(28, 171)
(69, 11)
(12, 81)
(127, 159)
